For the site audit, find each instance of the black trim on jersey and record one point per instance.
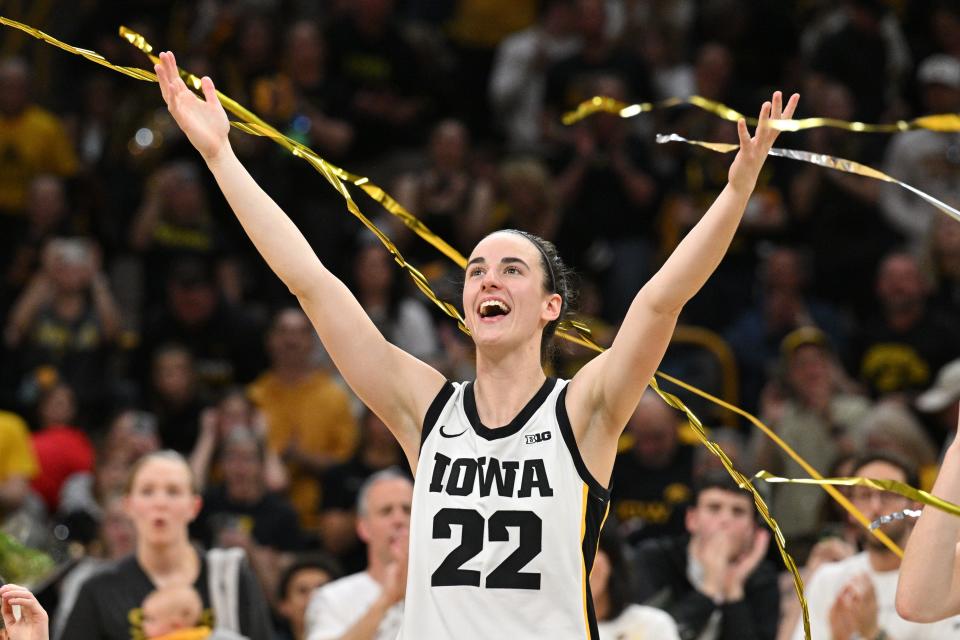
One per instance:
(597, 489)
(594, 518)
(433, 413)
(485, 432)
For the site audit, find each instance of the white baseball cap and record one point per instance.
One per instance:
(944, 391)
(940, 69)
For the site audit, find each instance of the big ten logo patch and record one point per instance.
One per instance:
(538, 437)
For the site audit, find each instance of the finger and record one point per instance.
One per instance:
(162, 81)
(777, 105)
(764, 117)
(791, 106)
(174, 83)
(209, 92)
(742, 132)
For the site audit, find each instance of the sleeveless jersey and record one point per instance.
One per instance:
(505, 524)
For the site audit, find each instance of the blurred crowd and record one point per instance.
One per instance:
(137, 317)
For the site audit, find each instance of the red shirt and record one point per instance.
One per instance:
(61, 451)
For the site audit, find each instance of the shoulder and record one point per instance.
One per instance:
(349, 588)
(665, 550)
(831, 572)
(124, 575)
(652, 620)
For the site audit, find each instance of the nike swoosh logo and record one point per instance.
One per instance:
(450, 435)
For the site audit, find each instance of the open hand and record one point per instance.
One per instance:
(203, 121)
(753, 151)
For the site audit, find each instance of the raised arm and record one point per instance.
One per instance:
(394, 384)
(929, 584)
(605, 392)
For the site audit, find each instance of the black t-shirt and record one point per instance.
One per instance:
(108, 606)
(271, 521)
(651, 502)
(569, 80)
(890, 361)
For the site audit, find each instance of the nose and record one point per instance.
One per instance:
(490, 279)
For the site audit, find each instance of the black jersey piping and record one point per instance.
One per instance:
(597, 489)
(433, 412)
(485, 432)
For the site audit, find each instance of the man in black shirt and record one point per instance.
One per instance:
(714, 582)
(902, 347)
(652, 480)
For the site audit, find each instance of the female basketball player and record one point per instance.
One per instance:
(510, 469)
(929, 586)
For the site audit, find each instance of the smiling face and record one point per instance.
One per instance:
(504, 300)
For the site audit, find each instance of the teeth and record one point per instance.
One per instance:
(489, 304)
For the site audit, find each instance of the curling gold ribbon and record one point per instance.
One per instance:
(822, 160)
(943, 122)
(893, 486)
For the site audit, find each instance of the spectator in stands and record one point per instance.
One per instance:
(782, 304)
(223, 338)
(64, 323)
(377, 450)
(32, 141)
(62, 448)
(402, 319)
(901, 348)
(46, 217)
(297, 583)
(518, 78)
(714, 582)
(652, 481)
(373, 72)
(447, 195)
(369, 604)
(610, 588)
(941, 400)
(606, 183)
(175, 398)
(855, 597)
(161, 501)
(942, 261)
(814, 410)
(925, 159)
(18, 463)
(308, 418)
(174, 222)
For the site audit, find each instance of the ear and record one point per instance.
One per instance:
(195, 507)
(690, 520)
(362, 532)
(552, 307)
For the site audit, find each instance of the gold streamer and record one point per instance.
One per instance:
(943, 122)
(893, 486)
(822, 160)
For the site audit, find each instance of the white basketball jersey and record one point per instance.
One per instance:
(505, 524)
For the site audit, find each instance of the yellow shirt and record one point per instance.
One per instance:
(484, 23)
(313, 415)
(196, 633)
(16, 452)
(31, 144)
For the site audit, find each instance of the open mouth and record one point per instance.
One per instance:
(493, 308)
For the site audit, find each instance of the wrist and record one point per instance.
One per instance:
(221, 156)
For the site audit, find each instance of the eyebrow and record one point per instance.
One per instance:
(507, 260)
